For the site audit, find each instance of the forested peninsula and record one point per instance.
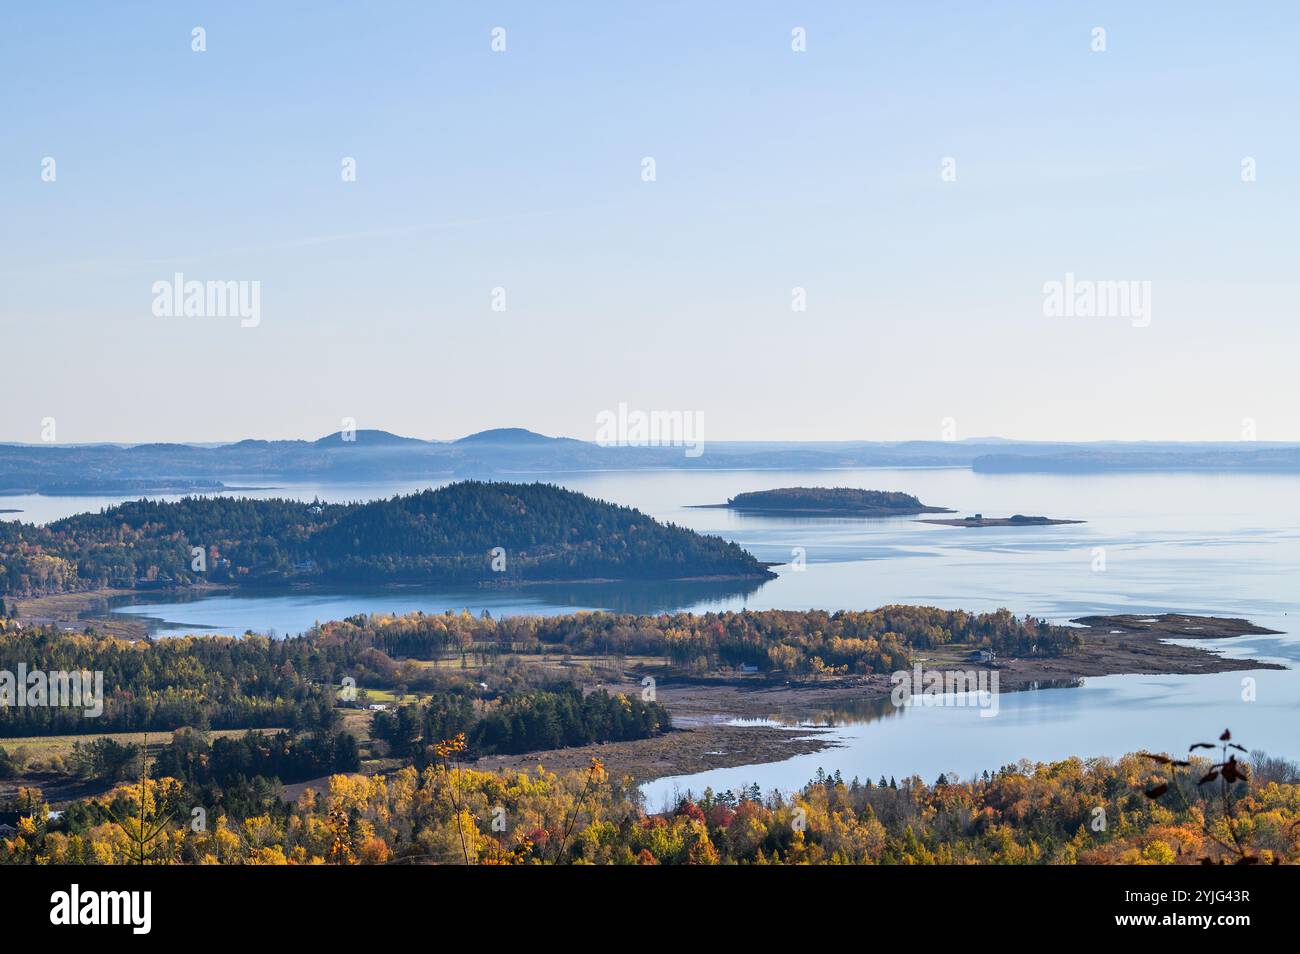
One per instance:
(465, 533)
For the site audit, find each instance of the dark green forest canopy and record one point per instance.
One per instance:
(463, 533)
(524, 721)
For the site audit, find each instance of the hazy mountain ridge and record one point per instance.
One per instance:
(381, 455)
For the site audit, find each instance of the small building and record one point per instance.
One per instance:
(377, 707)
(746, 667)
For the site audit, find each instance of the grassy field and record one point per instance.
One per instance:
(387, 696)
(474, 661)
(44, 747)
(938, 656)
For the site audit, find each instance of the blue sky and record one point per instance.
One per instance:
(775, 169)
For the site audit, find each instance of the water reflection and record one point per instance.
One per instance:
(1098, 716)
(851, 712)
(287, 611)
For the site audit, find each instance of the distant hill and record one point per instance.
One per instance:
(369, 438)
(469, 532)
(509, 436)
(821, 501)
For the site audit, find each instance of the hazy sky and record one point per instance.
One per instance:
(775, 169)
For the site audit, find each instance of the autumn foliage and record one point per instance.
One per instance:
(1067, 812)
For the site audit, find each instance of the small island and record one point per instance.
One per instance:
(828, 502)
(1015, 520)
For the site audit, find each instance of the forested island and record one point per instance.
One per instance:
(829, 501)
(468, 532)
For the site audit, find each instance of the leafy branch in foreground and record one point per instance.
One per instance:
(595, 775)
(1229, 773)
(448, 752)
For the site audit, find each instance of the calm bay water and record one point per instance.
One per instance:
(1212, 544)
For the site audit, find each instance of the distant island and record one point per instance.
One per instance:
(1015, 520)
(95, 486)
(829, 501)
(469, 532)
